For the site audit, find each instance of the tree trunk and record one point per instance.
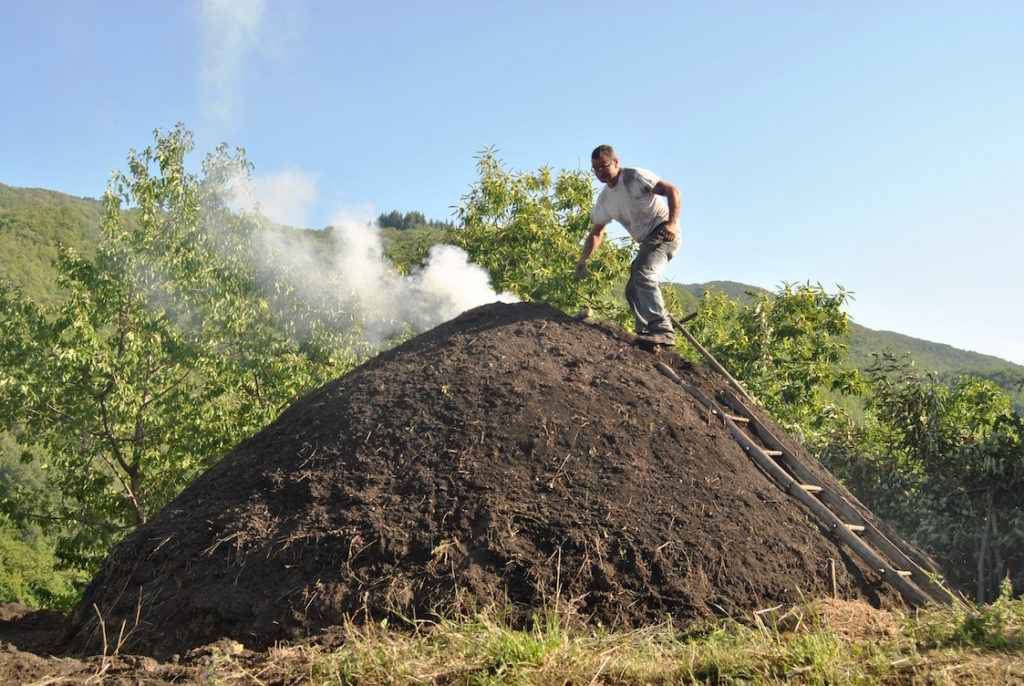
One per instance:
(998, 569)
(982, 555)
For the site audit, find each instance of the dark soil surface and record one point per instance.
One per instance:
(512, 455)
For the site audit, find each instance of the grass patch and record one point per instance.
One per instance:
(825, 642)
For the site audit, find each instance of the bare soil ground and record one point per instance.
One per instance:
(512, 455)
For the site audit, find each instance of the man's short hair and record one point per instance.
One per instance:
(603, 150)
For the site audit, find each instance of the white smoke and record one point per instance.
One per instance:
(350, 283)
(387, 301)
(282, 196)
(236, 34)
(230, 30)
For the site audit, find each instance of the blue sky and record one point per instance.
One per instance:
(876, 145)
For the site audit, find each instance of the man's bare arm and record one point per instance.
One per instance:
(589, 246)
(674, 198)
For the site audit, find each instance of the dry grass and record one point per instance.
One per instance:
(826, 642)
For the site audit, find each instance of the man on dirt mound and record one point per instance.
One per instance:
(636, 198)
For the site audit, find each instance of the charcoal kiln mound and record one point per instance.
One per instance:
(512, 455)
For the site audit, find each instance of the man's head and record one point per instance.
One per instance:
(605, 164)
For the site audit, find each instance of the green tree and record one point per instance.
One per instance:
(945, 465)
(162, 356)
(27, 570)
(526, 229)
(393, 219)
(788, 348)
(409, 248)
(397, 220)
(27, 574)
(31, 235)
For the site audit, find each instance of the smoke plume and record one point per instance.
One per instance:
(342, 277)
(282, 196)
(231, 29)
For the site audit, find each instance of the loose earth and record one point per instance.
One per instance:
(512, 456)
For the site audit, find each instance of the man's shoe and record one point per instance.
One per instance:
(658, 338)
(661, 338)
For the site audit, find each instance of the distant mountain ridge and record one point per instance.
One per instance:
(33, 222)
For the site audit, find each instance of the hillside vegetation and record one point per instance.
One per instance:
(944, 361)
(34, 222)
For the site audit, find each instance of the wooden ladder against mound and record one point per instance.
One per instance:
(893, 561)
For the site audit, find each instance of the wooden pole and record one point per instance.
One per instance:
(912, 593)
(838, 504)
(710, 358)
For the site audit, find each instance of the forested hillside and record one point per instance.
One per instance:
(33, 222)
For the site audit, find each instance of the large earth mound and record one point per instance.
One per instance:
(513, 454)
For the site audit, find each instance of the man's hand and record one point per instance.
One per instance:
(581, 269)
(669, 232)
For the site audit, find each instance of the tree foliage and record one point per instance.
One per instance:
(408, 237)
(788, 348)
(410, 248)
(409, 220)
(27, 574)
(945, 465)
(163, 355)
(527, 229)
